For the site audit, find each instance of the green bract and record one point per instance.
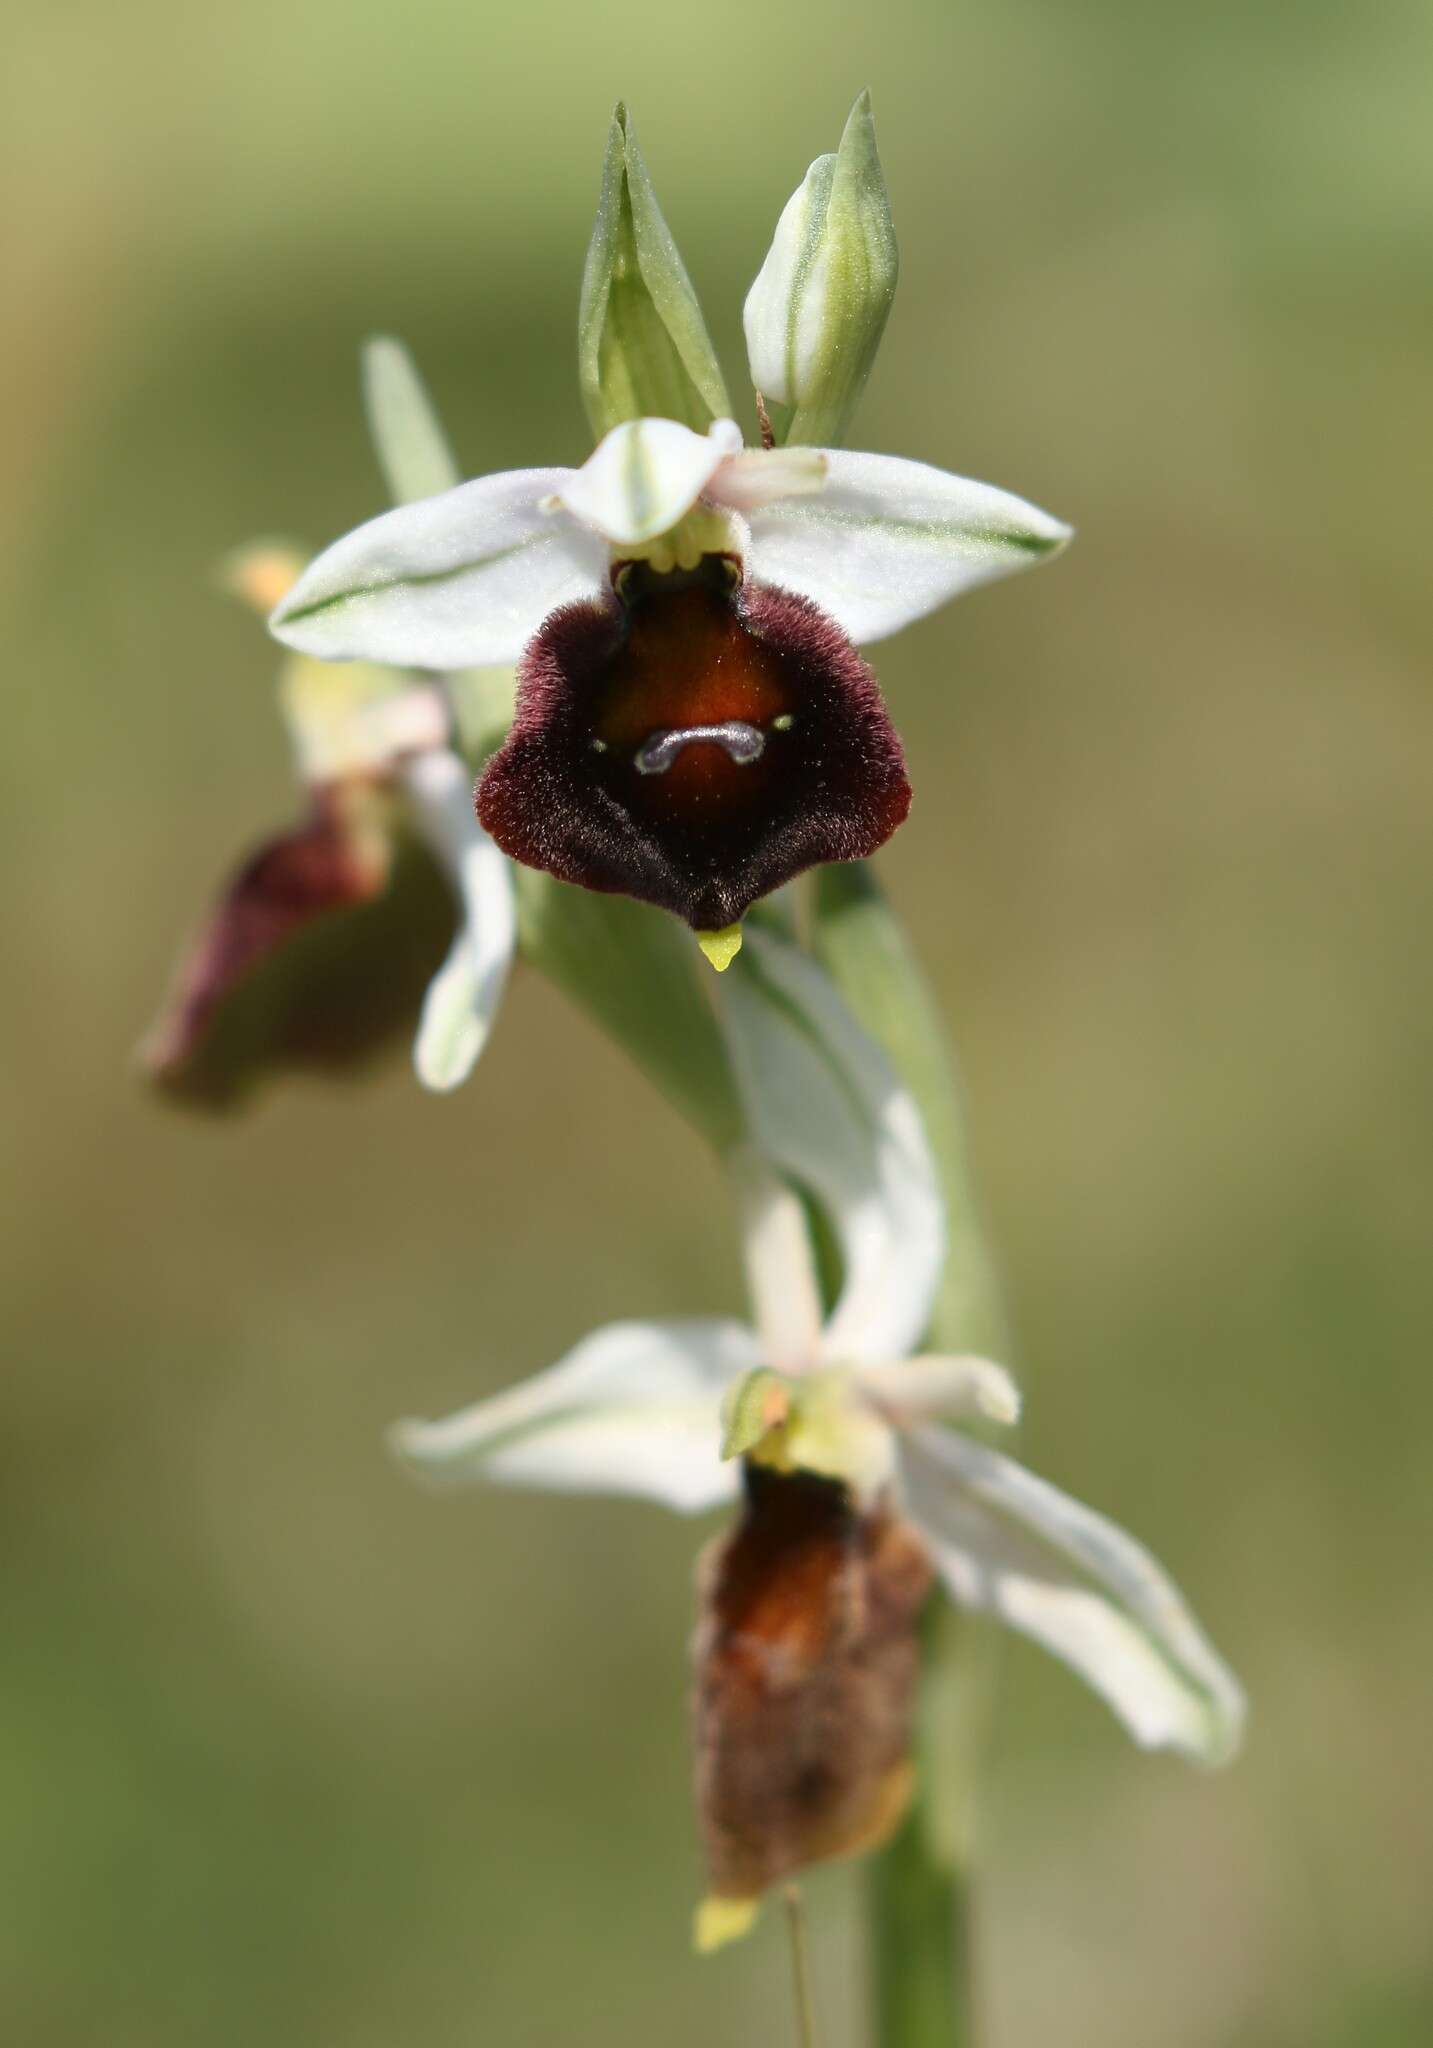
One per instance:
(642, 345)
(816, 313)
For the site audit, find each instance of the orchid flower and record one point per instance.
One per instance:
(846, 1407)
(694, 724)
(388, 907)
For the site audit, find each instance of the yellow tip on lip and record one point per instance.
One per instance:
(719, 1921)
(722, 947)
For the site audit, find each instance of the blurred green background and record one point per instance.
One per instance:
(290, 1752)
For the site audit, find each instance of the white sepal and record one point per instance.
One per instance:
(643, 476)
(825, 1107)
(780, 1267)
(1009, 1544)
(463, 997)
(462, 580)
(634, 1409)
(888, 540)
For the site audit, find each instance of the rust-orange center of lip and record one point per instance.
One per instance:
(691, 694)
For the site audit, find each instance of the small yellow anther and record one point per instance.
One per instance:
(722, 947)
(719, 1921)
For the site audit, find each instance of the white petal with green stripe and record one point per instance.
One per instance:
(1009, 1544)
(634, 1409)
(462, 580)
(889, 540)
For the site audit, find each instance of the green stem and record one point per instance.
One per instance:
(918, 1929)
(919, 1888)
(918, 1921)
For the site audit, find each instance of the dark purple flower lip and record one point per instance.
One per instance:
(693, 741)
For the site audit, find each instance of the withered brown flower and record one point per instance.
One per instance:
(316, 954)
(386, 907)
(806, 1658)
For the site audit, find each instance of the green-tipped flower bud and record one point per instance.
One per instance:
(815, 316)
(642, 346)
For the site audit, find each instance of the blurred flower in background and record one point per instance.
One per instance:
(389, 908)
(854, 1498)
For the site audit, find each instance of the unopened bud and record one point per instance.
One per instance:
(643, 349)
(815, 316)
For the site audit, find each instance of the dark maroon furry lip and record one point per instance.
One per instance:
(694, 744)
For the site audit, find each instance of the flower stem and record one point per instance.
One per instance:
(801, 1966)
(918, 1890)
(919, 1934)
(918, 1900)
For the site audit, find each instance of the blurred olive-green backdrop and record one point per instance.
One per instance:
(292, 1753)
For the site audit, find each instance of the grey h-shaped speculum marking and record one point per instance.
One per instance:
(659, 750)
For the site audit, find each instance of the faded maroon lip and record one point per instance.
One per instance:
(695, 742)
(805, 1662)
(316, 956)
